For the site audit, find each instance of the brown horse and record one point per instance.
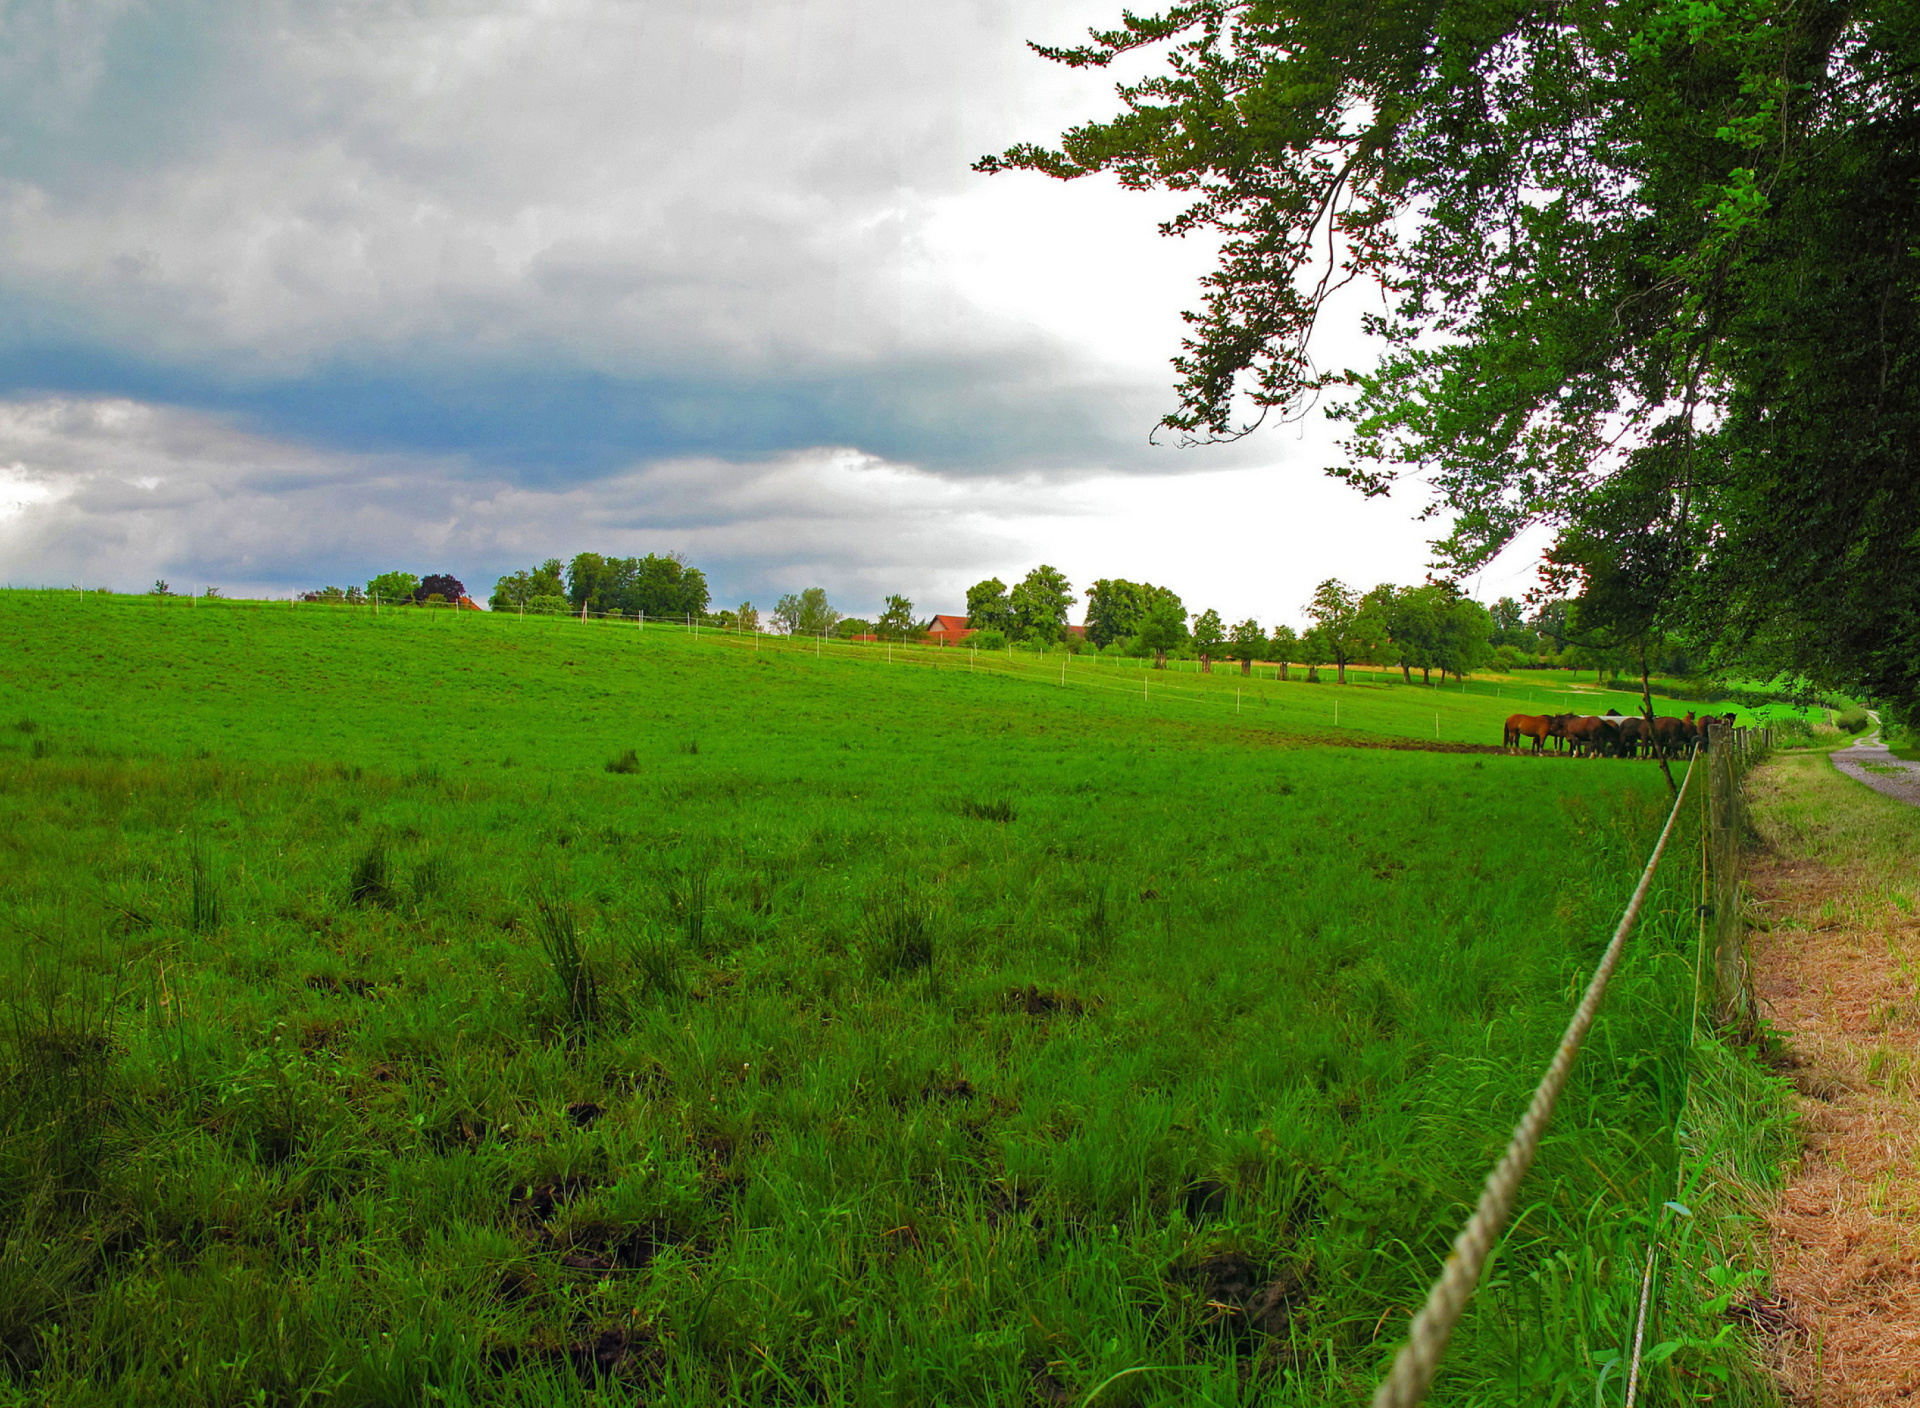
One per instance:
(1675, 736)
(1594, 735)
(1519, 726)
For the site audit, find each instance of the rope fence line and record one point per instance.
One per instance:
(1418, 1361)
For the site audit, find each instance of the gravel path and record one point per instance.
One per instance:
(1869, 761)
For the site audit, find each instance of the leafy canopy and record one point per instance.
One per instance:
(1651, 273)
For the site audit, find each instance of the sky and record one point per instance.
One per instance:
(295, 293)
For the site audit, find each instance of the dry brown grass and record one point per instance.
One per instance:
(1835, 973)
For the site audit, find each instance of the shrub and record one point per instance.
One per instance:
(1853, 720)
(988, 640)
(548, 606)
(1792, 729)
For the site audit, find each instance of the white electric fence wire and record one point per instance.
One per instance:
(1418, 1361)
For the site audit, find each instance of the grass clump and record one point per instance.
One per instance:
(368, 882)
(575, 981)
(1000, 809)
(626, 762)
(205, 906)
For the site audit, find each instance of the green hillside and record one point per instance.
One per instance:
(911, 1031)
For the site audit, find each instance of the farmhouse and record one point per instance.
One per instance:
(951, 630)
(948, 630)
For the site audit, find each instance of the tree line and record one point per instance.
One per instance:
(1432, 628)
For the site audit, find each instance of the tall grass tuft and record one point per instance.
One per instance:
(577, 985)
(203, 881)
(627, 762)
(999, 810)
(368, 883)
(658, 962)
(900, 936)
(687, 897)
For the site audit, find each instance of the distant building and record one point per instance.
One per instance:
(948, 630)
(951, 630)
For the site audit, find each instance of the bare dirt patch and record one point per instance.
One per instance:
(1834, 976)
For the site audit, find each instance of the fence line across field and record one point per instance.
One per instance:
(1418, 1361)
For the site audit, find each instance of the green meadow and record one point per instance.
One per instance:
(440, 1008)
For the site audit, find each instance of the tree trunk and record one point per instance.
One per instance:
(1406, 672)
(1206, 664)
(1283, 670)
(1426, 675)
(1646, 704)
(1313, 674)
(1159, 659)
(1340, 671)
(1246, 666)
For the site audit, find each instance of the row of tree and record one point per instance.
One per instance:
(657, 585)
(391, 589)
(1427, 628)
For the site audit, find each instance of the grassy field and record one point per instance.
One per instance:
(910, 1032)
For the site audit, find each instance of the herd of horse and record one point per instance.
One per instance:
(1612, 734)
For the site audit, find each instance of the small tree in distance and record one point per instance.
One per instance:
(1246, 644)
(394, 586)
(440, 584)
(1209, 638)
(1346, 632)
(1163, 628)
(896, 621)
(807, 614)
(1040, 603)
(1286, 647)
(987, 606)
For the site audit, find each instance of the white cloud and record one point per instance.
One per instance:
(637, 186)
(117, 493)
(332, 196)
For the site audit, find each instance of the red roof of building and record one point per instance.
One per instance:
(943, 625)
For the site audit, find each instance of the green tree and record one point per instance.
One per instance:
(1345, 631)
(1039, 605)
(1209, 638)
(1164, 628)
(515, 591)
(748, 618)
(896, 622)
(393, 587)
(1286, 647)
(1466, 631)
(1114, 610)
(1656, 247)
(1247, 644)
(807, 614)
(987, 606)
